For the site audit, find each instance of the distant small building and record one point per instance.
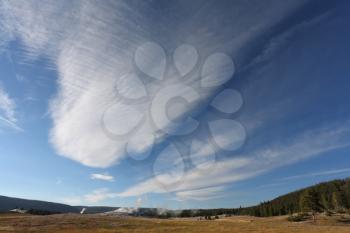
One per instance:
(19, 211)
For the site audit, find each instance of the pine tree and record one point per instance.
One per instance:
(339, 200)
(310, 202)
(325, 202)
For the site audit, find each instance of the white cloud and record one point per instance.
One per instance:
(201, 194)
(286, 180)
(7, 110)
(104, 177)
(7, 105)
(73, 200)
(263, 159)
(223, 172)
(99, 195)
(92, 45)
(320, 173)
(94, 197)
(276, 44)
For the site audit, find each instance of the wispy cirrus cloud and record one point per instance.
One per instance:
(201, 194)
(263, 159)
(99, 195)
(104, 177)
(319, 173)
(72, 200)
(93, 197)
(7, 110)
(285, 180)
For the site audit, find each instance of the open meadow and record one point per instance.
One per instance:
(74, 223)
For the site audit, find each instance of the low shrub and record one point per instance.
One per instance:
(328, 213)
(298, 217)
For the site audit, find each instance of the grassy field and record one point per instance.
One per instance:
(72, 223)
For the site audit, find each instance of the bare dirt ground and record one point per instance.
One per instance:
(73, 223)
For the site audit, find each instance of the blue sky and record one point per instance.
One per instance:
(172, 104)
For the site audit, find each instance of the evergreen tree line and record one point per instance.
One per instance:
(332, 196)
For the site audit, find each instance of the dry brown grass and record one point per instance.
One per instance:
(72, 223)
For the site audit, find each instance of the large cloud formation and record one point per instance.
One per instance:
(92, 44)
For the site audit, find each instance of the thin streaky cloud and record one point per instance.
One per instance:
(284, 181)
(71, 200)
(202, 194)
(262, 160)
(93, 197)
(11, 124)
(99, 195)
(320, 173)
(8, 110)
(104, 177)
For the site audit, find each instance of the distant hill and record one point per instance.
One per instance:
(9, 203)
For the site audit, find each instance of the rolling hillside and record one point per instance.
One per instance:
(9, 203)
(331, 196)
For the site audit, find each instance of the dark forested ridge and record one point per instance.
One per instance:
(333, 196)
(44, 207)
(327, 196)
(8, 203)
